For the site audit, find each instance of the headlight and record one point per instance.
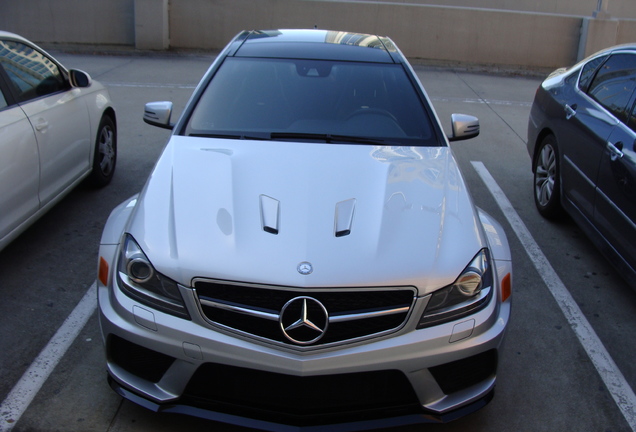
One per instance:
(138, 279)
(470, 292)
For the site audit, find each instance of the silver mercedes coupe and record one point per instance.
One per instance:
(305, 252)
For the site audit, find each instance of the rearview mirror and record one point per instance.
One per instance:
(158, 114)
(464, 127)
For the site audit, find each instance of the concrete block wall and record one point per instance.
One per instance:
(601, 33)
(110, 22)
(583, 8)
(152, 27)
(425, 32)
(446, 34)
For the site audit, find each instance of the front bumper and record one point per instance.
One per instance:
(169, 364)
(359, 425)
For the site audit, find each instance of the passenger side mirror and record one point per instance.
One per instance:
(79, 78)
(158, 114)
(464, 127)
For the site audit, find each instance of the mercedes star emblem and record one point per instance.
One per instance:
(305, 268)
(304, 320)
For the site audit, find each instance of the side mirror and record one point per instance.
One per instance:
(464, 127)
(158, 114)
(79, 78)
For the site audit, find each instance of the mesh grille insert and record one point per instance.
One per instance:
(299, 400)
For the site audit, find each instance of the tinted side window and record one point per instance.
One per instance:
(31, 73)
(588, 71)
(632, 119)
(614, 84)
(3, 101)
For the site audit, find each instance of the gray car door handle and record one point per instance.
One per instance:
(616, 150)
(570, 111)
(41, 124)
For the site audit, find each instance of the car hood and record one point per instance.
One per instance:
(361, 215)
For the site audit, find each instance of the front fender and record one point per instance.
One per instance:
(111, 236)
(497, 240)
(500, 250)
(117, 220)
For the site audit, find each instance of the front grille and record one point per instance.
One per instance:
(301, 400)
(336, 315)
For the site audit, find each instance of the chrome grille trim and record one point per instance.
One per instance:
(355, 314)
(276, 317)
(364, 315)
(241, 310)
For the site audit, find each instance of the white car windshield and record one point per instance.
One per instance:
(331, 101)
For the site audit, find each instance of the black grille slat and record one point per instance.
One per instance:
(271, 300)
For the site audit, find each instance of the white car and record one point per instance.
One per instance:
(57, 127)
(305, 252)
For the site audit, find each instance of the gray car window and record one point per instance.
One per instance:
(3, 101)
(588, 71)
(614, 84)
(31, 73)
(632, 120)
(250, 95)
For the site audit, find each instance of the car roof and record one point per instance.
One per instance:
(613, 49)
(316, 45)
(9, 35)
(624, 47)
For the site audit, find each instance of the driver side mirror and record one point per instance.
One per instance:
(464, 127)
(79, 78)
(158, 114)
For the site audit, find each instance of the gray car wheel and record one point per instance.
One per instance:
(547, 179)
(105, 157)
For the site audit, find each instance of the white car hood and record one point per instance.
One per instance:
(211, 207)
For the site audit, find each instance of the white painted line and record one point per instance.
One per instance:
(149, 85)
(482, 101)
(22, 394)
(610, 374)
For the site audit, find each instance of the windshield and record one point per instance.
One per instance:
(287, 99)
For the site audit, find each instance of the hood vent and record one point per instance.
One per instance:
(344, 217)
(269, 214)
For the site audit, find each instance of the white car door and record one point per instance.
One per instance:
(19, 168)
(57, 113)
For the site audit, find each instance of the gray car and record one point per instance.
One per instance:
(305, 252)
(582, 140)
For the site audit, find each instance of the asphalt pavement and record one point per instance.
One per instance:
(547, 380)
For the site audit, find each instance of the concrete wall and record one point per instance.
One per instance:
(602, 33)
(70, 21)
(431, 32)
(426, 32)
(584, 8)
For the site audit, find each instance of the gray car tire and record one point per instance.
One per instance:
(105, 157)
(547, 179)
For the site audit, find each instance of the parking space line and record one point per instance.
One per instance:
(149, 85)
(483, 101)
(22, 394)
(610, 374)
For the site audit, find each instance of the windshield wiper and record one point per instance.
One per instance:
(329, 138)
(264, 137)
